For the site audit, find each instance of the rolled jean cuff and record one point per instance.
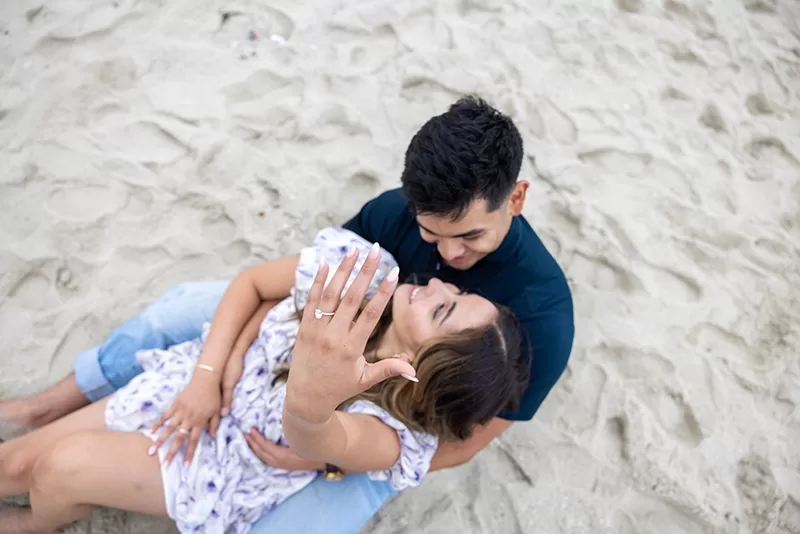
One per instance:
(89, 376)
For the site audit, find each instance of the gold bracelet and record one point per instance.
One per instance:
(205, 367)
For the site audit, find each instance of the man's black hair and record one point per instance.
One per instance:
(470, 152)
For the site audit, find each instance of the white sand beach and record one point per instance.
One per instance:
(146, 142)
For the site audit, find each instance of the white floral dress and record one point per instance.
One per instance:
(226, 488)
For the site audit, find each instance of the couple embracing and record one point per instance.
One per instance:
(398, 344)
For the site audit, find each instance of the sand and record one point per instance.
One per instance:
(144, 143)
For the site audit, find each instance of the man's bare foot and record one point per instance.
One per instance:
(20, 416)
(12, 423)
(18, 521)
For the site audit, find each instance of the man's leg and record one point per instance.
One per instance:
(176, 317)
(328, 507)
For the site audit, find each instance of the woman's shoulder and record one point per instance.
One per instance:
(416, 448)
(333, 242)
(331, 245)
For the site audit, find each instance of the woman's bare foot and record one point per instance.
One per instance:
(18, 521)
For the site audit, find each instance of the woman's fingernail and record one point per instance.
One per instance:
(351, 251)
(151, 451)
(373, 252)
(224, 412)
(393, 274)
(321, 265)
(409, 377)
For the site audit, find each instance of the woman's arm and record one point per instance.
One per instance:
(355, 443)
(233, 368)
(270, 281)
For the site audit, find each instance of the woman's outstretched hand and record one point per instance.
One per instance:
(328, 365)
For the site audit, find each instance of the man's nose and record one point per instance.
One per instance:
(450, 249)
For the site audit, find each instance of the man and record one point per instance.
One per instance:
(457, 217)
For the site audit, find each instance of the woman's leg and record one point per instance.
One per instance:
(18, 456)
(88, 469)
(96, 468)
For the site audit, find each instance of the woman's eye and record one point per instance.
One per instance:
(438, 310)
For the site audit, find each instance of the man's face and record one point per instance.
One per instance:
(477, 233)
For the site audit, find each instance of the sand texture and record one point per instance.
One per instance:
(145, 143)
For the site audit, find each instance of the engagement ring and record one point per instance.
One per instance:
(319, 313)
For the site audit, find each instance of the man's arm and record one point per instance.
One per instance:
(271, 281)
(452, 454)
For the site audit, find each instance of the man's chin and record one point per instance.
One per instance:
(462, 265)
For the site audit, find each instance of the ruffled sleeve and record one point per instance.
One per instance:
(416, 449)
(331, 245)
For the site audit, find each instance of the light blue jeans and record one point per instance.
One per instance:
(329, 507)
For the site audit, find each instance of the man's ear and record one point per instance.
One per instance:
(516, 201)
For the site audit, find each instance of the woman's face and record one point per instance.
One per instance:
(435, 310)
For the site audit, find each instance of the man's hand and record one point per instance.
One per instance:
(278, 456)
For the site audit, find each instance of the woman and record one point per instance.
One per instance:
(338, 403)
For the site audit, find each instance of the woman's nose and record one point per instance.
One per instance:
(435, 283)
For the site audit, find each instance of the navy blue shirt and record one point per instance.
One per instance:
(521, 274)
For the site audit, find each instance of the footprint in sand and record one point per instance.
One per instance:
(611, 441)
(773, 253)
(146, 142)
(668, 284)
(629, 6)
(631, 363)
(216, 225)
(712, 118)
(558, 124)
(761, 495)
(34, 291)
(673, 414)
(720, 343)
(600, 273)
(82, 202)
(773, 152)
(94, 21)
(259, 85)
(423, 88)
(544, 118)
(653, 171)
(649, 369)
(336, 121)
(758, 104)
(362, 184)
(235, 252)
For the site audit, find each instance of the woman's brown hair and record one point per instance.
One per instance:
(465, 379)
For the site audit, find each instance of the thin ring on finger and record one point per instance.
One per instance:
(183, 431)
(319, 314)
